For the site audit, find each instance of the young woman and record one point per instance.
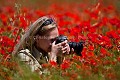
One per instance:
(37, 46)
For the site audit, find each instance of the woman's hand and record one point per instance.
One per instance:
(58, 50)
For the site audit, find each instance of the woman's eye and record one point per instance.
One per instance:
(52, 40)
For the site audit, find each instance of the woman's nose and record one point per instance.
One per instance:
(50, 44)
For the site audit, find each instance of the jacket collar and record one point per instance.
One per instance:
(40, 54)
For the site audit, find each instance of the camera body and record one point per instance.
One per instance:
(78, 47)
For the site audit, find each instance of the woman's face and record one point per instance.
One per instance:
(45, 42)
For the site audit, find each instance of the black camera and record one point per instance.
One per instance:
(78, 47)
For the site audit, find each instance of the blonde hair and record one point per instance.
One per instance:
(28, 37)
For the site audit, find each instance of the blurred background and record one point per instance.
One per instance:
(95, 21)
(69, 13)
(46, 3)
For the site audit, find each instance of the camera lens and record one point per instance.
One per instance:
(78, 47)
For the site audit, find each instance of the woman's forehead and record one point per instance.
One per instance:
(52, 32)
(52, 36)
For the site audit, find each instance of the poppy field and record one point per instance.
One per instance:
(96, 22)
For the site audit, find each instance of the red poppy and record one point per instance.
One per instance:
(4, 18)
(65, 65)
(39, 13)
(8, 9)
(90, 54)
(103, 52)
(9, 28)
(104, 20)
(2, 30)
(93, 37)
(84, 53)
(114, 21)
(93, 62)
(91, 47)
(53, 63)
(82, 37)
(2, 52)
(23, 22)
(112, 34)
(118, 58)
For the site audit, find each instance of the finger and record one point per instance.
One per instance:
(72, 50)
(67, 45)
(64, 52)
(60, 47)
(54, 43)
(65, 48)
(64, 43)
(69, 49)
